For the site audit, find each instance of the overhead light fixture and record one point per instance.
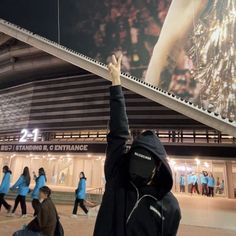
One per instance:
(197, 161)
(172, 162)
(181, 168)
(206, 164)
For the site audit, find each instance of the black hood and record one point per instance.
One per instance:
(152, 143)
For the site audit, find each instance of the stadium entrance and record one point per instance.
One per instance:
(64, 162)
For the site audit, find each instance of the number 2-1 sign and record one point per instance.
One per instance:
(26, 134)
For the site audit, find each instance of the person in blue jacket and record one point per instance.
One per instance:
(195, 184)
(80, 195)
(22, 185)
(204, 180)
(4, 188)
(40, 181)
(190, 182)
(211, 185)
(182, 183)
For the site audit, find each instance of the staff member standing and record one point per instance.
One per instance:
(182, 183)
(4, 188)
(22, 185)
(40, 181)
(190, 183)
(211, 185)
(204, 180)
(80, 195)
(195, 184)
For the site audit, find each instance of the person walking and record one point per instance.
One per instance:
(44, 223)
(222, 187)
(137, 198)
(204, 180)
(22, 184)
(80, 196)
(211, 185)
(4, 188)
(218, 185)
(182, 183)
(40, 181)
(195, 184)
(190, 182)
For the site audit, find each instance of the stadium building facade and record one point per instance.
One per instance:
(55, 115)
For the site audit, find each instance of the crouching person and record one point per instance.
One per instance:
(44, 224)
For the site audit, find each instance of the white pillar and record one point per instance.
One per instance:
(229, 180)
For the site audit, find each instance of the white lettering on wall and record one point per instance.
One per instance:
(26, 134)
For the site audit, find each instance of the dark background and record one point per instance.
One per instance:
(96, 28)
(38, 16)
(100, 28)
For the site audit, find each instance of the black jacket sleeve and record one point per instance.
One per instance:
(40, 221)
(172, 216)
(34, 225)
(119, 131)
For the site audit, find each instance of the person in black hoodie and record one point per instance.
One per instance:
(137, 200)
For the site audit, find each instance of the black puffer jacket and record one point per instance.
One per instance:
(125, 209)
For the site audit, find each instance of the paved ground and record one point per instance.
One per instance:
(201, 216)
(208, 212)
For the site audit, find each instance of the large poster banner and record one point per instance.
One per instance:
(186, 47)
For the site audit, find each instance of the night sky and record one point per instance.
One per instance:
(41, 17)
(38, 16)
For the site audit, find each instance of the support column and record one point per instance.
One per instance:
(78, 166)
(229, 180)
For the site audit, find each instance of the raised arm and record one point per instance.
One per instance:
(119, 127)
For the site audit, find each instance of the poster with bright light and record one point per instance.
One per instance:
(186, 47)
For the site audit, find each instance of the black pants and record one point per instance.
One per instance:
(79, 202)
(36, 206)
(210, 191)
(195, 186)
(204, 189)
(189, 188)
(3, 202)
(182, 188)
(20, 199)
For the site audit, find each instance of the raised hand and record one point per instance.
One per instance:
(115, 68)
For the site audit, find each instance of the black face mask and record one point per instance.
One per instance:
(140, 181)
(141, 166)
